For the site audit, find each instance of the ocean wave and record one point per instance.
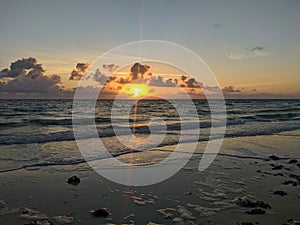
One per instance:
(233, 118)
(69, 121)
(83, 121)
(11, 124)
(273, 110)
(40, 164)
(264, 117)
(235, 128)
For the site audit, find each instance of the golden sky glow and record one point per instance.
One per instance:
(135, 90)
(252, 46)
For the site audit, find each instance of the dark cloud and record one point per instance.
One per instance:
(28, 76)
(41, 84)
(75, 75)
(217, 25)
(159, 82)
(231, 89)
(138, 71)
(257, 49)
(79, 71)
(21, 67)
(123, 80)
(110, 67)
(183, 78)
(170, 83)
(137, 75)
(25, 78)
(99, 77)
(4, 73)
(249, 53)
(192, 83)
(82, 67)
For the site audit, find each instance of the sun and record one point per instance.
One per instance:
(136, 90)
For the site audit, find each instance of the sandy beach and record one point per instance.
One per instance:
(246, 188)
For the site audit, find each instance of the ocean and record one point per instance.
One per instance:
(36, 133)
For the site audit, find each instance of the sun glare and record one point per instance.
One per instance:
(136, 90)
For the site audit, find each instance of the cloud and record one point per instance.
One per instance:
(230, 89)
(257, 49)
(75, 75)
(192, 83)
(28, 76)
(110, 67)
(137, 75)
(100, 77)
(20, 67)
(170, 83)
(82, 67)
(138, 71)
(160, 82)
(183, 78)
(42, 84)
(25, 78)
(79, 71)
(123, 80)
(248, 53)
(217, 25)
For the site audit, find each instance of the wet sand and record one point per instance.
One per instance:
(249, 187)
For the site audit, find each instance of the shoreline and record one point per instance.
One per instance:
(293, 133)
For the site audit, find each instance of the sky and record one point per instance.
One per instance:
(252, 47)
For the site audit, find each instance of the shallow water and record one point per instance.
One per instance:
(40, 132)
